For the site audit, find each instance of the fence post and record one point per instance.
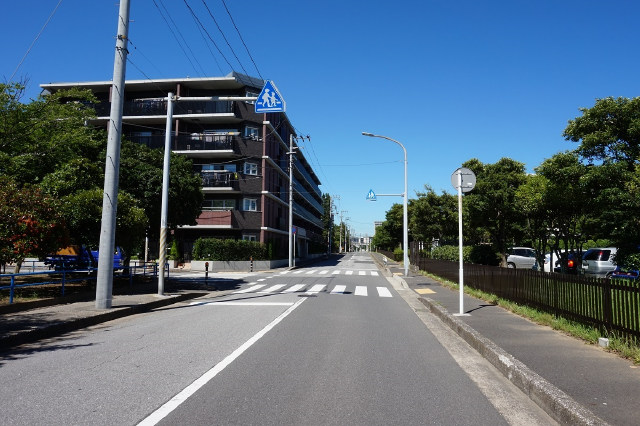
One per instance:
(13, 283)
(63, 277)
(607, 310)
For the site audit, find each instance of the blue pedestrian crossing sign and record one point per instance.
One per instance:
(371, 196)
(270, 100)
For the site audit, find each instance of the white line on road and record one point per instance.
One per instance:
(273, 288)
(235, 303)
(181, 397)
(250, 289)
(295, 288)
(361, 290)
(339, 289)
(384, 292)
(316, 289)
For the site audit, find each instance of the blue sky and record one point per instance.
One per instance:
(451, 80)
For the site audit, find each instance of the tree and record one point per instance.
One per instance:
(327, 219)
(492, 204)
(433, 217)
(609, 131)
(609, 137)
(389, 234)
(31, 223)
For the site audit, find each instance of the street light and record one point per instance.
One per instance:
(404, 195)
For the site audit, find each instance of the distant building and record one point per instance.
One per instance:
(240, 156)
(377, 223)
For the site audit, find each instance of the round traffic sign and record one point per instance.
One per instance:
(468, 179)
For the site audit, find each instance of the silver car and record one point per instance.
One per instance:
(599, 262)
(522, 258)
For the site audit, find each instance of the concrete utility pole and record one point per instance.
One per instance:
(162, 255)
(291, 241)
(104, 285)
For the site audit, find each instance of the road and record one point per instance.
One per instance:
(335, 343)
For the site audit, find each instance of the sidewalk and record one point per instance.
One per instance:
(574, 382)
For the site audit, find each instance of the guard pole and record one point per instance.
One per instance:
(104, 282)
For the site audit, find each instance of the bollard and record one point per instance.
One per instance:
(251, 264)
(206, 271)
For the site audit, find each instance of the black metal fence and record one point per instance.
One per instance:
(612, 306)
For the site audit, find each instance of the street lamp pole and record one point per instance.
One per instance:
(405, 220)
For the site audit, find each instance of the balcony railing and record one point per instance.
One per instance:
(159, 107)
(193, 142)
(215, 179)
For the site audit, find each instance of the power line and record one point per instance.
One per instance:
(35, 39)
(208, 35)
(241, 39)
(224, 37)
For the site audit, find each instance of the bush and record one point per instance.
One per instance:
(398, 254)
(484, 255)
(228, 250)
(451, 253)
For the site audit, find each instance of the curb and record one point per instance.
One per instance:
(66, 326)
(560, 406)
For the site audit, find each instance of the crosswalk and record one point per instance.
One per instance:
(311, 289)
(329, 272)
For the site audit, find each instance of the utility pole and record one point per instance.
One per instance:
(104, 283)
(162, 255)
(291, 242)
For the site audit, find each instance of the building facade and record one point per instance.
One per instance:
(240, 156)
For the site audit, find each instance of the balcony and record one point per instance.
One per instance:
(222, 219)
(194, 145)
(155, 107)
(218, 181)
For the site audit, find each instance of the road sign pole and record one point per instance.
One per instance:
(460, 251)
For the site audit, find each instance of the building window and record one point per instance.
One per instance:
(250, 204)
(252, 133)
(251, 169)
(249, 237)
(218, 205)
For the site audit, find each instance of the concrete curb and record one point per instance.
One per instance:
(555, 402)
(66, 326)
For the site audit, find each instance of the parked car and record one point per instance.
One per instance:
(522, 258)
(570, 262)
(625, 274)
(599, 262)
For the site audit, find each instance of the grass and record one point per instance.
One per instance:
(586, 333)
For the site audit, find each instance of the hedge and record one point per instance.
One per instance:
(228, 250)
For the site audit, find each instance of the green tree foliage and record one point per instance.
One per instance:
(433, 216)
(327, 219)
(389, 234)
(48, 143)
(492, 204)
(30, 223)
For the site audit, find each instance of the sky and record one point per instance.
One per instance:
(451, 80)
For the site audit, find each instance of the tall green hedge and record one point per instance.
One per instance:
(228, 250)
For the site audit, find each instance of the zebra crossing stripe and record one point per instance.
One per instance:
(325, 272)
(374, 273)
(336, 272)
(284, 272)
(250, 289)
(273, 288)
(316, 289)
(339, 289)
(299, 271)
(361, 290)
(383, 292)
(349, 272)
(313, 271)
(361, 273)
(295, 288)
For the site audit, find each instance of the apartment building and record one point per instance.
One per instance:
(241, 157)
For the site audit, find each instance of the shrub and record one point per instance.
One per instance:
(228, 250)
(398, 254)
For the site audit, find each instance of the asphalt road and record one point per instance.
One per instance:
(328, 344)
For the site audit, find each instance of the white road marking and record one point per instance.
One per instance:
(339, 289)
(236, 303)
(361, 290)
(295, 288)
(250, 289)
(384, 292)
(181, 397)
(273, 288)
(336, 272)
(325, 272)
(349, 272)
(313, 271)
(374, 273)
(316, 289)
(362, 273)
(284, 272)
(299, 271)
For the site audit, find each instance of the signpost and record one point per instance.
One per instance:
(464, 180)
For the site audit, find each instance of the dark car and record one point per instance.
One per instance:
(567, 263)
